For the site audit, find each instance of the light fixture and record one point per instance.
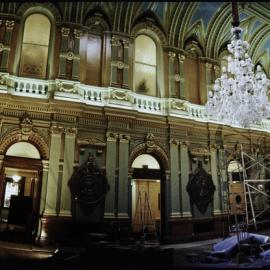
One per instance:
(239, 96)
(16, 178)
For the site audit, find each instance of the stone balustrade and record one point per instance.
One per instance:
(107, 96)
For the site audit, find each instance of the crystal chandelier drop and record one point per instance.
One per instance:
(239, 96)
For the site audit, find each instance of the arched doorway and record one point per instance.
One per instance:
(146, 194)
(20, 188)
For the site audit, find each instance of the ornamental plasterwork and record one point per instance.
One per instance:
(200, 152)
(177, 77)
(10, 25)
(26, 124)
(150, 143)
(120, 95)
(179, 105)
(66, 87)
(7, 128)
(57, 129)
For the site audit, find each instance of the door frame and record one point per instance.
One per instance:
(24, 164)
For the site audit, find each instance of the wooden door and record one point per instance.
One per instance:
(147, 208)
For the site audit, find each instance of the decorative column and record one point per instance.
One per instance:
(175, 188)
(76, 53)
(63, 50)
(208, 79)
(126, 64)
(5, 46)
(182, 76)
(215, 177)
(223, 180)
(55, 148)
(45, 169)
(123, 176)
(185, 168)
(69, 153)
(110, 203)
(172, 75)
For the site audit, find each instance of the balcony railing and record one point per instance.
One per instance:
(107, 96)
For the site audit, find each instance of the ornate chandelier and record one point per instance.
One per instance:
(239, 96)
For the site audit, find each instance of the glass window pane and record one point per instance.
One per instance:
(11, 189)
(37, 30)
(145, 79)
(145, 50)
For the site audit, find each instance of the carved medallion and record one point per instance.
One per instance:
(88, 185)
(200, 188)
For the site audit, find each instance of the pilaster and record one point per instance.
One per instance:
(214, 171)
(185, 168)
(110, 203)
(175, 185)
(69, 153)
(52, 187)
(123, 176)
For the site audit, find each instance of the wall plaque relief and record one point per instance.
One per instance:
(200, 188)
(89, 185)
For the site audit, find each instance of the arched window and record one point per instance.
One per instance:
(35, 46)
(145, 81)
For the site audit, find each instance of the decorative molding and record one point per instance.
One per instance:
(200, 151)
(65, 31)
(171, 55)
(174, 141)
(115, 41)
(179, 105)
(57, 129)
(10, 25)
(26, 124)
(120, 65)
(111, 136)
(78, 33)
(70, 131)
(70, 55)
(177, 77)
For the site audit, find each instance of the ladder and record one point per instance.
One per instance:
(146, 222)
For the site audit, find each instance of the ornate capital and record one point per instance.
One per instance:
(124, 138)
(78, 33)
(208, 65)
(115, 41)
(126, 43)
(111, 136)
(171, 55)
(174, 141)
(216, 69)
(181, 58)
(185, 143)
(10, 25)
(65, 31)
(71, 131)
(56, 129)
